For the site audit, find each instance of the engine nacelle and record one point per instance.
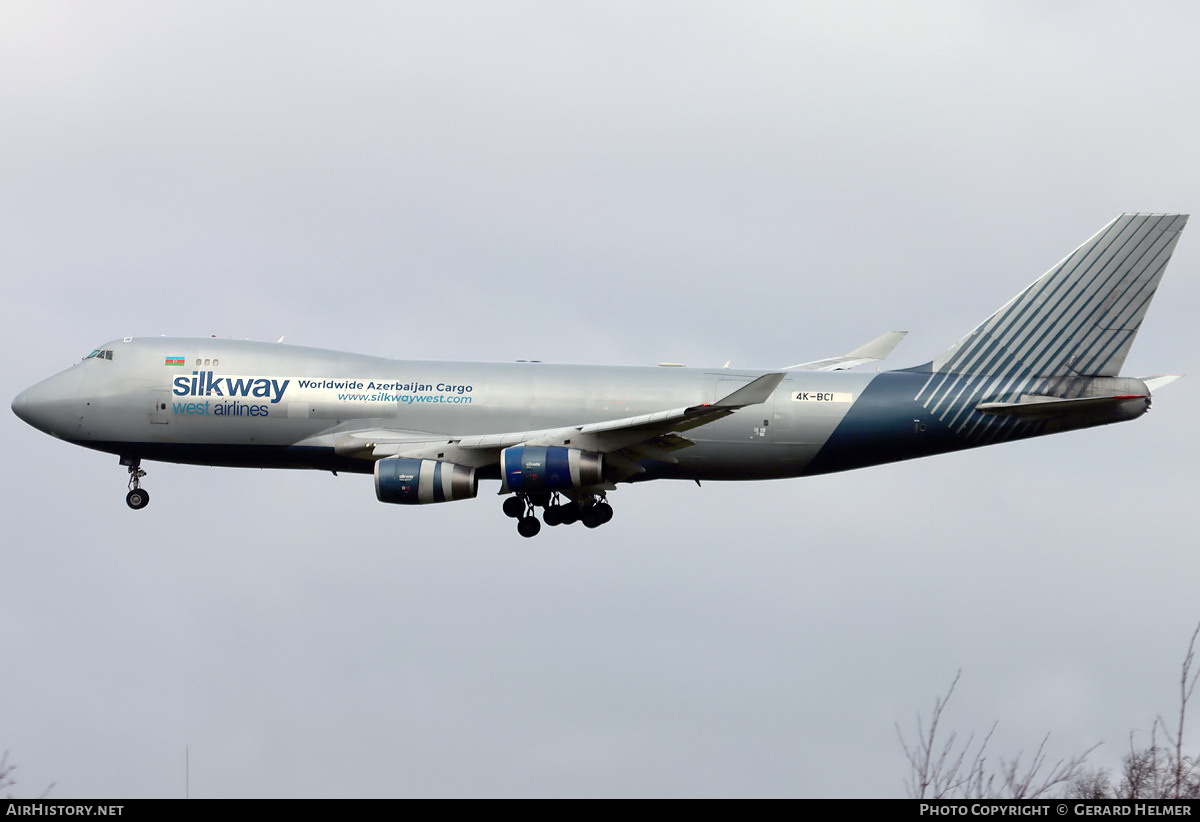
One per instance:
(535, 468)
(419, 482)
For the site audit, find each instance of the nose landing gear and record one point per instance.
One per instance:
(137, 498)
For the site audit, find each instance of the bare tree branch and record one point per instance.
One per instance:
(945, 770)
(6, 778)
(961, 771)
(1183, 768)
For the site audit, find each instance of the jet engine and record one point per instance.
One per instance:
(418, 482)
(539, 468)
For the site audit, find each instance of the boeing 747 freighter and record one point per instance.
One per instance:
(562, 437)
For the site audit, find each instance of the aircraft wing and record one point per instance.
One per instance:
(874, 351)
(623, 441)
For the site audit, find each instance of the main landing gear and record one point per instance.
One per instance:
(138, 497)
(593, 511)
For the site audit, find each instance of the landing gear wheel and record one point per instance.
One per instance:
(592, 516)
(569, 513)
(604, 512)
(514, 507)
(552, 515)
(136, 498)
(529, 526)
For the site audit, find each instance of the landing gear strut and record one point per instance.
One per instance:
(137, 498)
(521, 509)
(590, 509)
(528, 526)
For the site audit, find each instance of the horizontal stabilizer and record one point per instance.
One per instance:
(1032, 406)
(1157, 382)
(874, 351)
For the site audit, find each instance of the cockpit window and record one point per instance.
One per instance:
(100, 354)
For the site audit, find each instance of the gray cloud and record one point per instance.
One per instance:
(695, 182)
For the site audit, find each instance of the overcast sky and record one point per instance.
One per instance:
(610, 182)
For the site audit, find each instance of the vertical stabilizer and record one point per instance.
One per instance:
(1080, 317)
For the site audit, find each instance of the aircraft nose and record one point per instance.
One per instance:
(20, 406)
(52, 405)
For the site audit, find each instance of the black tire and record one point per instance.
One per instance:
(514, 507)
(137, 499)
(529, 526)
(592, 516)
(605, 512)
(570, 513)
(552, 515)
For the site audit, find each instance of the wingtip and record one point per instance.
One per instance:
(880, 347)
